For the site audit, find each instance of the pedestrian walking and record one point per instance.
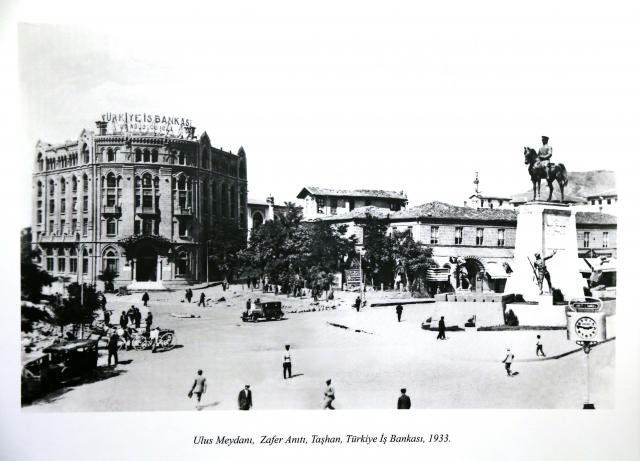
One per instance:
(248, 305)
(137, 317)
(441, 328)
(199, 387)
(245, 400)
(145, 298)
(286, 363)
(404, 402)
(329, 396)
(202, 298)
(112, 347)
(189, 295)
(399, 311)
(508, 360)
(539, 351)
(357, 304)
(148, 321)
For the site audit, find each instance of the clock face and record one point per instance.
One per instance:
(586, 328)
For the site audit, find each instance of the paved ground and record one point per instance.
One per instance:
(368, 367)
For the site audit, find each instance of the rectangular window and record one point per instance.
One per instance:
(111, 227)
(585, 239)
(500, 237)
(147, 226)
(458, 240)
(147, 198)
(62, 225)
(85, 227)
(334, 205)
(51, 226)
(320, 205)
(50, 263)
(85, 203)
(479, 236)
(410, 229)
(183, 229)
(435, 231)
(74, 204)
(52, 206)
(605, 240)
(63, 205)
(39, 218)
(74, 226)
(73, 265)
(136, 227)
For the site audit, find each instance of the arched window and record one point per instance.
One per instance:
(73, 261)
(182, 192)
(183, 265)
(138, 155)
(52, 188)
(154, 155)
(63, 186)
(257, 220)
(85, 183)
(205, 197)
(61, 260)
(110, 261)
(181, 158)
(85, 153)
(225, 200)
(74, 184)
(39, 188)
(147, 189)
(85, 261)
(111, 157)
(40, 162)
(112, 228)
(146, 156)
(111, 190)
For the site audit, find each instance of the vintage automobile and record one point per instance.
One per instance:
(57, 365)
(264, 311)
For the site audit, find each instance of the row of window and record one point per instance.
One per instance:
(586, 239)
(110, 260)
(321, 203)
(435, 236)
(63, 161)
(599, 201)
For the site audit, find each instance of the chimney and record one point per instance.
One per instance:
(102, 127)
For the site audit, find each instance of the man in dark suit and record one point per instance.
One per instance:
(404, 402)
(441, 328)
(244, 399)
(399, 311)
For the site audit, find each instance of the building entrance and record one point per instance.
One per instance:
(147, 265)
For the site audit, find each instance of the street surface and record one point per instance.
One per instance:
(367, 367)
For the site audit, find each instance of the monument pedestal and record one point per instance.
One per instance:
(545, 227)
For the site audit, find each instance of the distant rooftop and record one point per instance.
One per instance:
(366, 193)
(445, 211)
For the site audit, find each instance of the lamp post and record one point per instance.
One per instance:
(361, 252)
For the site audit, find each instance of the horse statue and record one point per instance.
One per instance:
(539, 172)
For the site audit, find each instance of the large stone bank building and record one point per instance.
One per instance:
(138, 196)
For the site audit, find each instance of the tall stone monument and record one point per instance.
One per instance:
(545, 228)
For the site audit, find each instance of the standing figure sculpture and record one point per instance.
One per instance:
(460, 274)
(541, 168)
(541, 271)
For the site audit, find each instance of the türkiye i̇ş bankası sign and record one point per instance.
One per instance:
(146, 123)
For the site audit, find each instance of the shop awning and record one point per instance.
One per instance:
(437, 274)
(495, 269)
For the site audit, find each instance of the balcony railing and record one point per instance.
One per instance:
(146, 210)
(113, 209)
(183, 210)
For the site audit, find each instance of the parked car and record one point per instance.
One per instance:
(264, 311)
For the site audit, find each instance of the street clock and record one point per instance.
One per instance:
(586, 322)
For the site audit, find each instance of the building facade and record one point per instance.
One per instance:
(318, 202)
(483, 237)
(136, 198)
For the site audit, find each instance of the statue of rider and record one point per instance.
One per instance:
(544, 156)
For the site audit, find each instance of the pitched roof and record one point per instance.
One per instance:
(593, 217)
(367, 193)
(440, 210)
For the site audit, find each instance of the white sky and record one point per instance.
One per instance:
(360, 96)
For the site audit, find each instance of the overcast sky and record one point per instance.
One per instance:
(351, 97)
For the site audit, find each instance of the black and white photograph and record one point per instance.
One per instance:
(243, 215)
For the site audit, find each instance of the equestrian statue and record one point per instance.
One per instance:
(541, 168)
